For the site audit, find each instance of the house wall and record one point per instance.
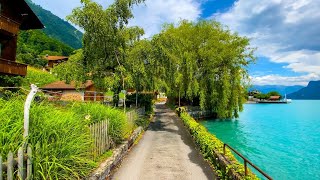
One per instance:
(71, 95)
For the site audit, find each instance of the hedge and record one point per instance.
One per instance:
(210, 146)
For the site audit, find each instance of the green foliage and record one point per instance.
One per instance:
(57, 28)
(106, 39)
(33, 45)
(37, 77)
(209, 66)
(96, 112)
(210, 145)
(10, 81)
(61, 142)
(268, 95)
(72, 69)
(144, 100)
(59, 135)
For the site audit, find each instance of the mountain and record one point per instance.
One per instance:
(57, 28)
(311, 92)
(281, 89)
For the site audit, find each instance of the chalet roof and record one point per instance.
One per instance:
(62, 85)
(30, 21)
(56, 58)
(274, 97)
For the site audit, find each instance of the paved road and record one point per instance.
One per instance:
(166, 151)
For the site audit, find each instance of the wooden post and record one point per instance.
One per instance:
(10, 166)
(20, 164)
(1, 168)
(29, 163)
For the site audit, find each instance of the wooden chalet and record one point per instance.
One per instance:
(60, 90)
(55, 60)
(15, 15)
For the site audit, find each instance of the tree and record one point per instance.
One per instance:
(106, 39)
(209, 66)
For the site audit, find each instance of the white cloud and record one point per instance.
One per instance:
(285, 31)
(275, 79)
(155, 13)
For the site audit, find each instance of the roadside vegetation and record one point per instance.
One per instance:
(59, 135)
(210, 146)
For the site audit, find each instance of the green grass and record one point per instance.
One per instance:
(38, 77)
(59, 135)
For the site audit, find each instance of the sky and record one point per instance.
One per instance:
(286, 33)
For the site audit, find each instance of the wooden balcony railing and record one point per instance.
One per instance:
(12, 68)
(9, 25)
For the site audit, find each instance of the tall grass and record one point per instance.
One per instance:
(95, 112)
(59, 135)
(37, 77)
(61, 143)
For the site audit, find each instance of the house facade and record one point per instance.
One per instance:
(15, 15)
(60, 90)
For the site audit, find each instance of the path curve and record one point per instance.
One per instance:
(166, 151)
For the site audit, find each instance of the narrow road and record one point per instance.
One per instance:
(166, 151)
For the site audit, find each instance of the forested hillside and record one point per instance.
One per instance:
(57, 28)
(34, 44)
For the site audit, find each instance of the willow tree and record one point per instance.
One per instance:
(204, 60)
(106, 39)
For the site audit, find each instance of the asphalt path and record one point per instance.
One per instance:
(166, 151)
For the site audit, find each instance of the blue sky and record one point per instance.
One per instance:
(286, 33)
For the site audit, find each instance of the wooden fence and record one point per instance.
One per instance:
(99, 132)
(17, 168)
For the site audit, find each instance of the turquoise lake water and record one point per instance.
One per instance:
(281, 139)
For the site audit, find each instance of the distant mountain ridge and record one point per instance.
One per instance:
(57, 28)
(281, 89)
(311, 92)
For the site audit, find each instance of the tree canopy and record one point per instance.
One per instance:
(200, 61)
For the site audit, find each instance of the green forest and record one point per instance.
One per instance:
(33, 45)
(57, 28)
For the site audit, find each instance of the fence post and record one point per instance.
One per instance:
(10, 166)
(1, 168)
(29, 163)
(20, 164)
(27, 105)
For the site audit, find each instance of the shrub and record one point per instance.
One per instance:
(143, 100)
(209, 145)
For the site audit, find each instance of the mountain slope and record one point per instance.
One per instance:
(311, 92)
(281, 89)
(57, 28)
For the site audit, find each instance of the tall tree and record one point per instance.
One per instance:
(106, 39)
(204, 60)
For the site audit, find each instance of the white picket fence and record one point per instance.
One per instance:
(17, 168)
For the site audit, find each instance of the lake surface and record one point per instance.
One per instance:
(281, 139)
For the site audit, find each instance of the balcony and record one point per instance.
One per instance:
(9, 25)
(12, 68)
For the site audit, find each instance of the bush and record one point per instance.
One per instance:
(209, 144)
(143, 100)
